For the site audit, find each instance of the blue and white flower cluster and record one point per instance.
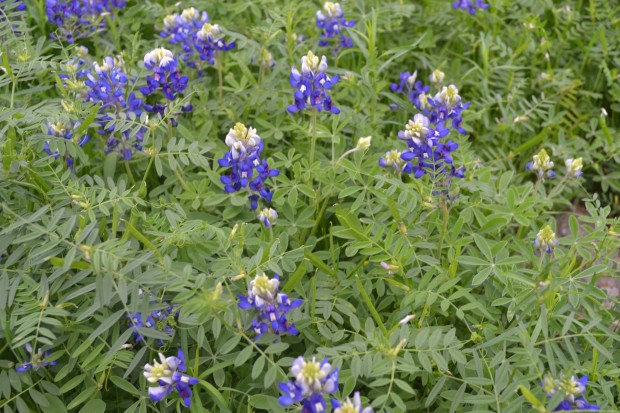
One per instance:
(166, 78)
(313, 381)
(248, 170)
(572, 389)
(331, 22)
(541, 165)
(168, 373)
(428, 152)
(546, 239)
(271, 306)
(445, 106)
(312, 85)
(64, 131)
(76, 19)
(193, 32)
(107, 85)
(37, 360)
(163, 320)
(268, 217)
(470, 5)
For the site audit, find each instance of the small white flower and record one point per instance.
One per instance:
(449, 96)
(268, 216)
(209, 31)
(574, 167)
(417, 129)
(364, 143)
(241, 139)
(407, 319)
(412, 78)
(159, 57)
(189, 14)
(170, 21)
(333, 10)
(437, 77)
(311, 64)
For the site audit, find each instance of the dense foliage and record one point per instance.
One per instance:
(200, 212)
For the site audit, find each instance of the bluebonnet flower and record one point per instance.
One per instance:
(182, 30)
(209, 41)
(107, 85)
(541, 164)
(162, 320)
(413, 88)
(271, 306)
(424, 134)
(394, 161)
(313, 381)
(165, 74)
(168, 374)
(349, 406)
(437, 77)
(470, 5)
(425, 148)
(64, 130)
(193, 32)
(446, 105)
(572, 389)
(268, 217)
(546, 239)
(166, 78)
(331, 23)
(248, 170)
(312, 85)
(574, 167)
(78, 18)
(37, 360)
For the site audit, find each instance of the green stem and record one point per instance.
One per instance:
(128, 170)
(445, 217)
(220, 80)
(312, 139)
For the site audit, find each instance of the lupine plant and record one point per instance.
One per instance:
(313, 381)
(75, 19)
(248, 170)
(425, 219)
(270, 305)
(331, 21)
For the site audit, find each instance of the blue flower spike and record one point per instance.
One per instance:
(312, 85)
(169, 375)
(248, 171)
(541, 165)
(331, 21)
(313, 381)
(270, 305)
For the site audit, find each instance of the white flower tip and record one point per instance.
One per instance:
(407, 319)
(364, 143)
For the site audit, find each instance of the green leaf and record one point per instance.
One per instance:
(94, 406)
(470, 260)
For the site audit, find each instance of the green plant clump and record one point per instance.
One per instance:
(278, 206)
